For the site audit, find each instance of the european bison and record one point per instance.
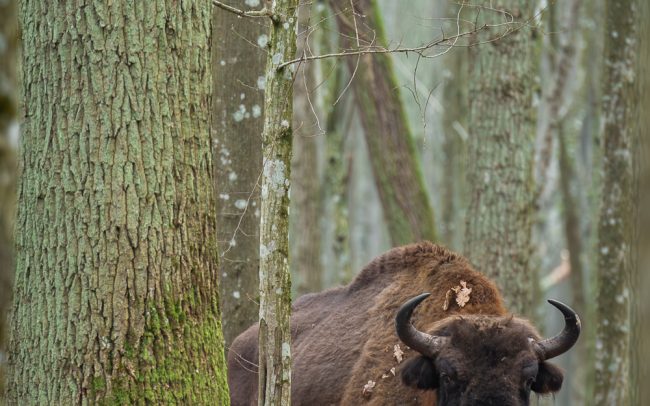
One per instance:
(463, 346)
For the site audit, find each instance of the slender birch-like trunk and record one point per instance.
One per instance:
(275, 279)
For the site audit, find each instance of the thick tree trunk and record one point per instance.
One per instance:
(275, 280)
(615, 220)
(237, 135)
(306, 202)
(391, 146)
(8, 168)
(116, 279)
(501, 138)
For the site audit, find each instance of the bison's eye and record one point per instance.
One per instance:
(529, 382)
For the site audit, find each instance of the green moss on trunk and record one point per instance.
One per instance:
(116, 282)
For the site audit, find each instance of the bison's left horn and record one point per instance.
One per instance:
(423, 343)
(561, 343)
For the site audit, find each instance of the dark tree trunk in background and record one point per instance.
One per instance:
(640, 278)
(306, 201)
(501, 139)
(336, 177)
(391, 146)
(456, 105)
(8, 167)
(237, 126)
(616, 212)
(274, 384)
(116, 296)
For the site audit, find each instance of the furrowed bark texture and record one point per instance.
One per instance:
(116, 297)
(275, 279)
(8, 169)
(500, 149)
(237, 135)
(391, 146)
(616, 212)
(306, 202)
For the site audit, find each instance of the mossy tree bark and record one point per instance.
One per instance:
(237, 135)
(275, 279)
(8, 168)
(406, 207)
(616, 214)
(500, 149)
(116, 296)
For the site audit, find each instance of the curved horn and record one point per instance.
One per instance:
(423, 343)
(561, 343)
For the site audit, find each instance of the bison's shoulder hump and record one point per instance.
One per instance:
(406, 260)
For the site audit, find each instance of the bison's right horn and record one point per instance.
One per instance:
(423, 343)
(561, 343)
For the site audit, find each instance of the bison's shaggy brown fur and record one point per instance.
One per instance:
(345, 337)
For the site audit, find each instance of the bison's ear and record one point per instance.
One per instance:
(419, 372)
(549, 378)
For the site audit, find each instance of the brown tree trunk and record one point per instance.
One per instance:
(237, 124)
(391, 146)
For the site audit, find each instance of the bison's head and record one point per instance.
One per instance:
(484, 360)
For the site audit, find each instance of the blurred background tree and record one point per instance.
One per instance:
(8, 165)
(238, 63)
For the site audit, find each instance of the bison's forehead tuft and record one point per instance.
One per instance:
(494, 336)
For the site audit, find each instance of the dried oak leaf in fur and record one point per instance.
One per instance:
(367, 388)
(462, 293)
(398, 353)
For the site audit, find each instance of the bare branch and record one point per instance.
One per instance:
(375, 49)
(264, 12)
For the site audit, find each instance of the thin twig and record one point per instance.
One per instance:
(252, 13)
(375, 49)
